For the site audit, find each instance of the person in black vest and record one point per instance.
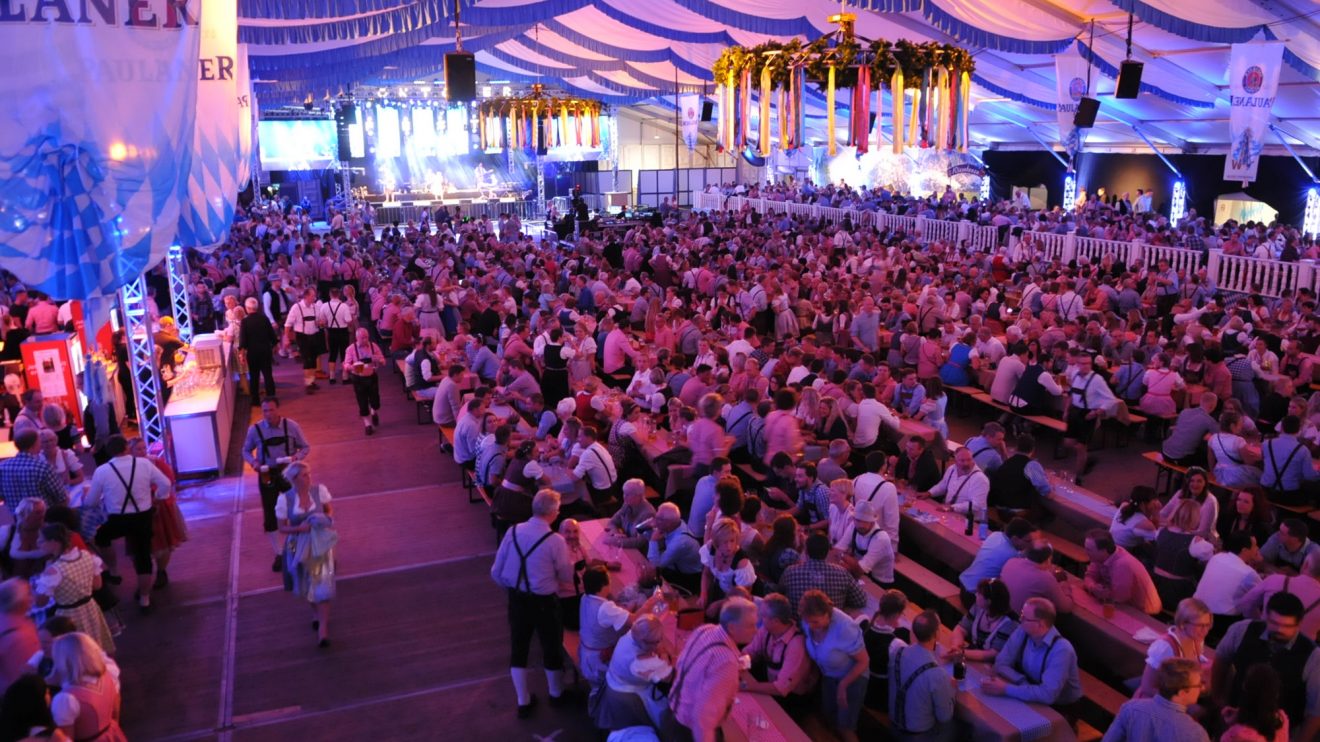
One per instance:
(272, 443)
(1032, 395)
(884, 629)
(1019, 487)
(257, 340)
(422, 369)
(275, 305)
(1276, 641)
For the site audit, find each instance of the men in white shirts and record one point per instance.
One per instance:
(123, 485)
(1088, 400)
(988, 351)
(873, 488)
(337, 318)
(963, 485)
(596, 468)
(1008, 373)
(865, 549)
(303, 325)
(448, 401)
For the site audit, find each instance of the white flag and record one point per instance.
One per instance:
(1253, 81)
(1070, 73)
(689, 107)
(213, 184)
(96, 141)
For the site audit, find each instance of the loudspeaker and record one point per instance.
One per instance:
(1129, 79)
(1087, 108)
(707, 110)
(461, 76)
(345, 116)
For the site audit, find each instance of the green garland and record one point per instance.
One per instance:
(882, 55)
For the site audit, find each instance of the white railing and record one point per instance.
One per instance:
(708, 201)
(1244, 275)
(937, 229)
(985, 238)
(1051, 245)
(1181, 260)
(1095, 249)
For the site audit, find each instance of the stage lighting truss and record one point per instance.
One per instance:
(1069, 192)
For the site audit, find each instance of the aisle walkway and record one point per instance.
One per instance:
(420, 643)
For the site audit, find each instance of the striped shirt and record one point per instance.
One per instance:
(706, 681)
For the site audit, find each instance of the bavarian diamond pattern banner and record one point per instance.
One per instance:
(1071, 86)
(95, 139)
(246, 119)
(1253, 82)
(213, 183)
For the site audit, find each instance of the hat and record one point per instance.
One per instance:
(865, 512)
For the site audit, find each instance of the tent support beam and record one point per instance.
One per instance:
(1156, 150)
(1282, 140)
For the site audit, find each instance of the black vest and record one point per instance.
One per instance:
(877, 647)
(1288, 662)
(1009, 486)
(1029, 388)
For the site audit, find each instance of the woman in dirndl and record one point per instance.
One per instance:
(168, 528)
(67, 584)
(309, 546)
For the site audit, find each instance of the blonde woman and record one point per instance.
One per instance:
(87, 707)
(1185, 639)
(726, 565)
(309, 548)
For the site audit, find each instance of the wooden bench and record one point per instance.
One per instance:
(965, 394)
(1072, 556)
(931, 589)
(1053, 423)
(1100, 701)
(1164, 469)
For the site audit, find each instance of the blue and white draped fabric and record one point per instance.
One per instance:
(247, 119)
(95, 146)
(214, 181)
(1071, 86)
(1253, 82)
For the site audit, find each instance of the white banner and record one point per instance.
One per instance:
(689, 107)
(1070, 86)
(246, 119)
(96, 139)
(213, 185)
(1253, 81)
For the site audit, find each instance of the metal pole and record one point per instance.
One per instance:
(678, 125)
(1279, 133)
(177, 268)
(1154, 149)
(142, 361)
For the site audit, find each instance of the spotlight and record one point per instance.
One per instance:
(1179, 206)
(1069, 192)
(1311, 221)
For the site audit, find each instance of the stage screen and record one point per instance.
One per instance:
(297, 145)
(387, 132)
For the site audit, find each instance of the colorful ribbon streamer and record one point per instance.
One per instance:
(964, 111)
(765, 111)
(829, 106)
(861, 110)
(897, 101)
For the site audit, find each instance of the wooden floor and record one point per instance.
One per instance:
(420, 643)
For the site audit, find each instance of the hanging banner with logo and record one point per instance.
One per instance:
(213, 185)
(1070, 86)
(247, 124)
(96, 142)
(689, 106)
(1253, 82)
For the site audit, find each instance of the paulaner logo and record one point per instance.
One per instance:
(127, 13)
(1077, 88)
(1252, 80)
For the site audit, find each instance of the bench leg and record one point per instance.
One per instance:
(470, 485)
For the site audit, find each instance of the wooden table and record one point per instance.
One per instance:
(1100, 642)
(504, 412)
(1079, 506)
(908, 427)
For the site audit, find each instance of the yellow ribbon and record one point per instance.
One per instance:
(966, 89)
(829, 106)
(765, 111)
(896, 93)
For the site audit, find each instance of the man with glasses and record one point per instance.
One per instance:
(1037, 665)
(1278, 642)
(1164, 717)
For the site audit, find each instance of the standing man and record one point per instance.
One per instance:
(123, 486)
(531, 564)
(1088, 398)
(706, 677)
(921, 696)
(1276, 641)
(29, 474)
(29, 418)
(337, 318)
(361, 361)
(1166, 289)
(257, 340)
(303, 326)
(272, 443)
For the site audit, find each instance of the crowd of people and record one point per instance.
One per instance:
(755, 372)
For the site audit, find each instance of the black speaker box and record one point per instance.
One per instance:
(461, 76)
(1087, 108)
(707, 110)
(1129, 79)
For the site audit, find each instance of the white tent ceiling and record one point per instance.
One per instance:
(634, 52)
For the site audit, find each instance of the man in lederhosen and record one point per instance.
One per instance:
(337, 316)
(272, 443)
(123, 487)
(531, 564)
(303, 325)
(275, 305)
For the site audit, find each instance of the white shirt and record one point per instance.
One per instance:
(108, 488)
(870, 413)
(961, 490)
(877, 557)
(596, 466)
(1007, 375)
(303, 319)
(884, 495)
(1225, 580)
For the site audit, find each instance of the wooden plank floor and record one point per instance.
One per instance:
(420, 643)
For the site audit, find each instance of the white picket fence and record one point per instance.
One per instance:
(1230, 273)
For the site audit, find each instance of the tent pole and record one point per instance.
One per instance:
(1156, 150)
(678, 124)
(1309, 173)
